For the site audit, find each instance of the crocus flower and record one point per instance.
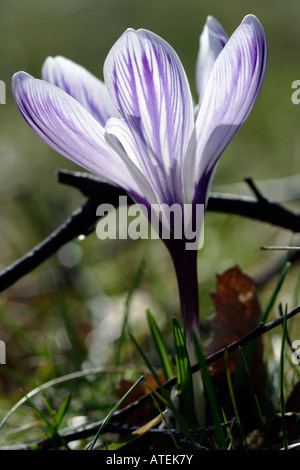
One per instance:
(141, 129)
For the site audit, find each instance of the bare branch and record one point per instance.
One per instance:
(83, 220)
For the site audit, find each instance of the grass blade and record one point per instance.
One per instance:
(165, 360)
(184, 374)
(254, 396)
(231, 392)
(69, 329)
(164, 396)
(113, 411)
(163, 416)
(229, 433)
(273, 297)
(136, 282)
(183, 424)
(50, 427)
(281, 384)
(150, 367)
(218, 433)
(59, 415)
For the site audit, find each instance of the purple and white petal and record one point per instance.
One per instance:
(82, 85)
(120, 137)
(149, 87)
(69, 129)
(232, 89)
(211, 43)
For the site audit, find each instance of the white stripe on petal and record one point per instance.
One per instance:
(82, 85)
(68, 128)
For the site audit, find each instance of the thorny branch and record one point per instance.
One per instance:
(83, 220)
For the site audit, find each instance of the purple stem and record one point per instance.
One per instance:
(185, 263)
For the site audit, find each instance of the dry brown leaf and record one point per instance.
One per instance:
(237, 313)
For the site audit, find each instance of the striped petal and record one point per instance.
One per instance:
(69, 129)
(232, 89)
(149, 87)
(211, 43)
(123, 140)
(120, 137)
(82, 85)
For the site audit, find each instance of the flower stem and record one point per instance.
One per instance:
(185, 263)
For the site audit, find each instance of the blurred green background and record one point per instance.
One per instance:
(68, 312)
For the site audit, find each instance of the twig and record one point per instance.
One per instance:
(264, 210)
(83, 220)
(163, 434)
(259, 208)
(280, 248)
(80, 222)
(255, 190)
